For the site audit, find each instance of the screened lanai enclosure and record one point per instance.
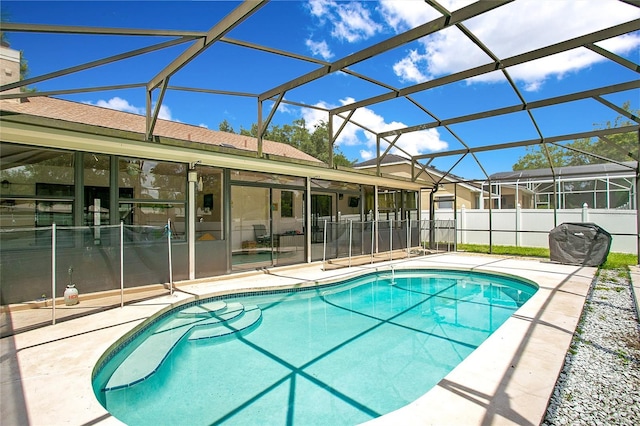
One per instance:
(601, 186)
(461, 88)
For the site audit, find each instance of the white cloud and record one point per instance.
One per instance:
(355, 22)
(120, 104)
(349, 21)
(404, 15)
(408, 69)
(319, 48)
(515, 28)
(413, 143)
(366, 155)
(165, 113)
(284, 108)
(203, 125)
(320, 8)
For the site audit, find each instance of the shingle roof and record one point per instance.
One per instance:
(59, 109)
(386, 160)
(604, 169)
(391, 159)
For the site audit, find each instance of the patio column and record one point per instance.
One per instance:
(191, 222)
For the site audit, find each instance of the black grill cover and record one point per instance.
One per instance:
(579, 244)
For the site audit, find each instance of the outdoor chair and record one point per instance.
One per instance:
(261, 234)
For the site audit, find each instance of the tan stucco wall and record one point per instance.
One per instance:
(9, 68)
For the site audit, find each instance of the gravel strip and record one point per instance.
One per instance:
(600, 381)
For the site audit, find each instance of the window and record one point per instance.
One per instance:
(444, 202)
(151, 192)
(37, 187)
(286, 199)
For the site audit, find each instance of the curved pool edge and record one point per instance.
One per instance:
(305, 285)
(509, 379)
(60, 359)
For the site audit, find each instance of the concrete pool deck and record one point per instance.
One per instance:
(45, 374)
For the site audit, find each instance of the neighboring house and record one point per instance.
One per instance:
(600, 186)
(450, 191)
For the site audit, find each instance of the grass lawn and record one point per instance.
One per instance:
(614, 260)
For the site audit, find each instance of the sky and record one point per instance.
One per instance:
(328, 30)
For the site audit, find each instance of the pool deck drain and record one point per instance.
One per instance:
(45, 374)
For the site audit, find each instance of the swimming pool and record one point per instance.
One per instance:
(339, 354)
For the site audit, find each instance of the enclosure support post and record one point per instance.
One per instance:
(409, 237)
(490, 218)
(463, 224)
(455, 216)
(432, 216)
(53, 274)
(350, 240)
(170, 262)
(518, 223)
(191, 220)
(391, 239)
(121, 264)
(324, 244)
(307, 220)
(373, 233)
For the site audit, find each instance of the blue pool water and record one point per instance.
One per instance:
(340, 354)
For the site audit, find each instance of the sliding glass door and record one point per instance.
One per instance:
(251, 239)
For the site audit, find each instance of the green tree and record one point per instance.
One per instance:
(225, 127)
(617, 147)
(296, 134)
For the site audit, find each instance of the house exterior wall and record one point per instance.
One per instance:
(448, 193)
(9, 69)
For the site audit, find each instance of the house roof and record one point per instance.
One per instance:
(387, 160)
(604, 169)
(393, 159)
(75, 112)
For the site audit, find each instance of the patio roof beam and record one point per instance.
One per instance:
(634, 84)
(232, 20)
(212, 91)
(617, 109)
(152, 119)
(591, 154)
(69, 29)
(434, 26)
(493, 147)
(615, 58)
(611, 144)
(97, 63)
(564, 46)
(72, 91)
(284, 53)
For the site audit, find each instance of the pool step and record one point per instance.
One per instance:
(250, 316)
(146, 359)
(204, 309)
(193, 314)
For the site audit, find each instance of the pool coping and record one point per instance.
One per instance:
(46, 373)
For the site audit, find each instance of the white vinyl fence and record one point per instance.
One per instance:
(530, 227)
